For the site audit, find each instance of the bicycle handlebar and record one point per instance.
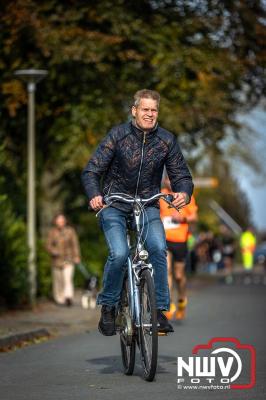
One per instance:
(120, 197)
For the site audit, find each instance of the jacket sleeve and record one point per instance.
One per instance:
(177, 169)
(98, 166)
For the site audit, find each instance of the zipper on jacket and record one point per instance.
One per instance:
(141, 162)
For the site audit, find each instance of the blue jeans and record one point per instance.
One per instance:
(114, 226)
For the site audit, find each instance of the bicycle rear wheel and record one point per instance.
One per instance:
(148, 327)
(127, 339)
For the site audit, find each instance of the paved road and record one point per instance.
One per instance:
(87, 366)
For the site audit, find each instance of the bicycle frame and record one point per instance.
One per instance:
(132, 272)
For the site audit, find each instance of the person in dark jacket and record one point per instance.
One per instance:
(130, 160)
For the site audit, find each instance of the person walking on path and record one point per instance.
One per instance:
(63, 247)
(176, 225)
(130, 160)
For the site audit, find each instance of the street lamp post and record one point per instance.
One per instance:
(31, 77)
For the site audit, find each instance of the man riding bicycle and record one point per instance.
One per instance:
(130, 160)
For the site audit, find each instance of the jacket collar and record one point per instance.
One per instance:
(139, 132)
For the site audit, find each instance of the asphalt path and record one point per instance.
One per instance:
(88, 366)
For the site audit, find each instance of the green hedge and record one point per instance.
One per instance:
(14, 253)
(14, 285)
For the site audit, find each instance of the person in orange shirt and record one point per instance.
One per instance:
(176, 225)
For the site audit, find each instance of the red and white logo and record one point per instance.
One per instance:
(222, 363)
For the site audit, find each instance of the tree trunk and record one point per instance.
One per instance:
(51, 199)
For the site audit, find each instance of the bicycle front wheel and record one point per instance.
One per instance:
(148, 327)
(127, 339)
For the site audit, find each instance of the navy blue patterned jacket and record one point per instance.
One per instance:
(131, 161)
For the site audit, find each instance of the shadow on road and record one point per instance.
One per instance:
(113, 364)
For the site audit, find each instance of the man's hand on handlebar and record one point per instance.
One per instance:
(177, 200)
(180, 199)
(96, 203)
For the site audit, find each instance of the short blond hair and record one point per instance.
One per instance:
(146, 94)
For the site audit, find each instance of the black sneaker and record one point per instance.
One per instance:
(107, 321)
(164, 325)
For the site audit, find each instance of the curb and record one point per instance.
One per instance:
(18, 338)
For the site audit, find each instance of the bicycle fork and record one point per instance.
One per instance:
(134, 295)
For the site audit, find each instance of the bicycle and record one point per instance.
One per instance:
(136, 319)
